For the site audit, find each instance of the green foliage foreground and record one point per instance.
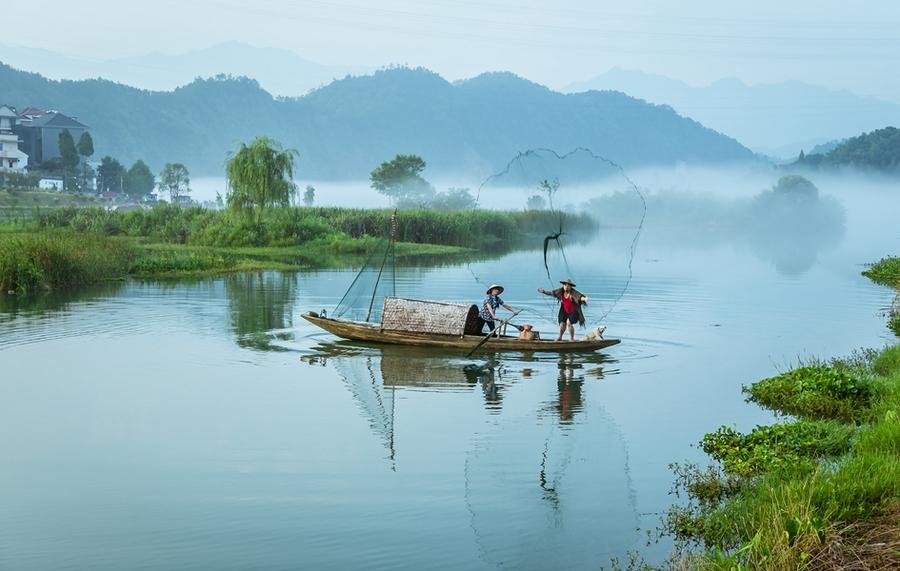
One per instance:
(800, 494)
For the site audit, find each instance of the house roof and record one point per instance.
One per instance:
(57, 120)
(32, 112)
(6, 110)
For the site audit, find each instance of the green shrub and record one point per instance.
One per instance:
(771, 448)
(814, 392)
(885, 272)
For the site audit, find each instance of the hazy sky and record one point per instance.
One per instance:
(854, 45)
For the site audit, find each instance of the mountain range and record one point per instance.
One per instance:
(346, 128)
(278, 71)
(776, 119)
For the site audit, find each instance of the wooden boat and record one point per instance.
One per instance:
(425, 323)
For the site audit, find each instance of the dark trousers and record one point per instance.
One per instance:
(482, 323)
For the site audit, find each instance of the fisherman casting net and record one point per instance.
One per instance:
(560, 192)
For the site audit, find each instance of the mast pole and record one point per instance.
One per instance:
(381, 270)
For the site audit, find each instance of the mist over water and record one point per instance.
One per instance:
(209, 423)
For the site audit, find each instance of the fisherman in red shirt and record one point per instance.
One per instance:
(570, 302)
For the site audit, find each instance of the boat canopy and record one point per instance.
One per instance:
(424, 316)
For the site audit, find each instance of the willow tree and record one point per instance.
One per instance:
(260, 175)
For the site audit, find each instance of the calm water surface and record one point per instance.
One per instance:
(204, 425)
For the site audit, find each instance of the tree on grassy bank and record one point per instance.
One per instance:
(176, 180)
(110, 175)
(260, 175)
(69, 159)
(400, 179)
(140, 180)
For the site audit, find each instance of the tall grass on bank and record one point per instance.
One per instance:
(295, 226)
(795, 495)
(31, 263)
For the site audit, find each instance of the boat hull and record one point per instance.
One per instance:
(355, 331)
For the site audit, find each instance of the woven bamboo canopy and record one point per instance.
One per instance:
(424, 316)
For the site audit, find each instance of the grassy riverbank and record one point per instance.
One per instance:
(887, 272)
(68, 247)
(820, 490)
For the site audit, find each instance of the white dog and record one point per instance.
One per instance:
(595, 334)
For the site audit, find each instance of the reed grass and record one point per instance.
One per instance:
(291, 226)
(31, 263)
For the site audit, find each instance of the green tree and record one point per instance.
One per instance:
(549, 187)
(400, 180)
(309, 195)
(176, 180)
(260, 175)
(536, 202)
(454, 199)
(68, 154)
(85, 149)
(85, 145)
(110, 175)
(140, 181)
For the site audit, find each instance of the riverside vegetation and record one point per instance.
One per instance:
(820, 490)
(68, 247)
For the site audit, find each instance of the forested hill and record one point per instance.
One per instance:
(878, 150)
(346, 128)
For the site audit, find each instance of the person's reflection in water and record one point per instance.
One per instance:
(568, 385)
(487, 375)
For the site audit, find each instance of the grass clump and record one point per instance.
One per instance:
(814, 391)
(31, 263)
(772, 448)
(885, 272)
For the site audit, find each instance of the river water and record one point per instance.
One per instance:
(204, 425)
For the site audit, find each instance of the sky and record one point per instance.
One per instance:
(849, 45)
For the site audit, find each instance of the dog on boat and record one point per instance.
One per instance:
(527, 333)
(595, 334)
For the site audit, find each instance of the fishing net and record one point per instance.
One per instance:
(558, 188)
(375, 281)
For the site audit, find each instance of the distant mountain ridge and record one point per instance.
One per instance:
(280, 72)
(345, 129)
(877, 151)
(777, 119)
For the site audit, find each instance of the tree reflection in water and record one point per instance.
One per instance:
(261, 305)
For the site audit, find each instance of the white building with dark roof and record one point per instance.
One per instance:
(39, 131)
(11, 157)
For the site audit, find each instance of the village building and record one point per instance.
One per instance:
(39, 131)
(11, 156)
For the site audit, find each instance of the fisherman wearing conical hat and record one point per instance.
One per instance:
(488, 312)
(570, 302)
